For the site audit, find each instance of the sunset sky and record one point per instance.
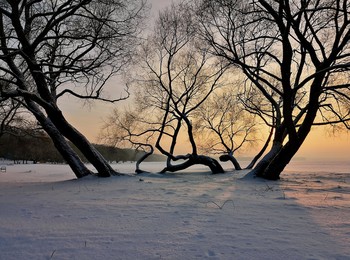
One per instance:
(89, 119)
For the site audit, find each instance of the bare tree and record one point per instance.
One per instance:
(53, 48)
(128, 128)
(8, 115)
(175, 77)
(225, 127)
(307, 42)
(16, 120)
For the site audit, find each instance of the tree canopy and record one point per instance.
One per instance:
(53, 48)
(295, 54)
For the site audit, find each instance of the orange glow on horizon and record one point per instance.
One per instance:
(318, 145)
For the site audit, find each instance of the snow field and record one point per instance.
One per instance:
(47, 214)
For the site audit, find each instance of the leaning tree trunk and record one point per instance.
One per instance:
(280, 161)
(262, 151)
(277, 145)
(287, 152)
(213, 164)
(259, 169)
(68, 154)
(88, 150)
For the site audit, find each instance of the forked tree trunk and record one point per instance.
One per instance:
(273, 170)
(280, 161)
(259, 169)
(272, 165)
(88, 150)
(68, 154)
(262, 151)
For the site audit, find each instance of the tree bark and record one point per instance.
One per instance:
(68, 154)
(280, 161)
(231, 158)
(263, 149)
(272, 165)
(259, 169)
(213, 164)
(287, 152)
(88, 150)
(144, 157)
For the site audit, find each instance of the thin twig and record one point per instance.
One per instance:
(222, 206)
(53, 252)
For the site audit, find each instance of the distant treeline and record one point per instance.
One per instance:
(39, 148)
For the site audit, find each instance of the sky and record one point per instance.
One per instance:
(89, 119)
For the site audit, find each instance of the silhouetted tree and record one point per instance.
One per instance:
(8, 115)
(296, 54)
(16, 120)
(131, 128)
(225, 126)
(53, 48)
(175, 77)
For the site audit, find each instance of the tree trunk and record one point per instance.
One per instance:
(88, 150)
(213, 164)
(144, 157)
(272, 165)
(68, 154)
(263, 149)
(259, 169)
(231, 158)
(280, 161)
(287, 152)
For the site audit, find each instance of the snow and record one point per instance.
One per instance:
(45, 213)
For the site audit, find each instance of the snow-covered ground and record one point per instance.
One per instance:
(46, 214)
